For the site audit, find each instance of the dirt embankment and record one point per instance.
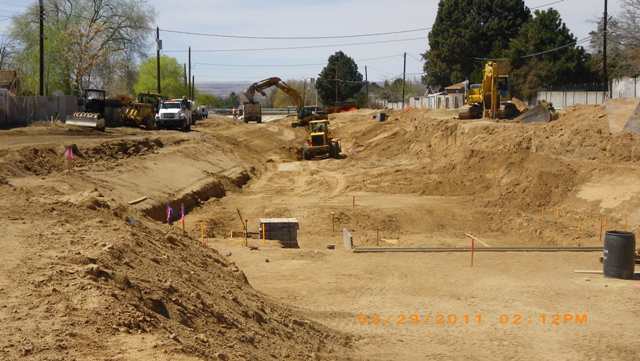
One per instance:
(90, 277)
(87, 275)
(425, 178)
(512, 171)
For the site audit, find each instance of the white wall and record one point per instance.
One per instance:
(564, 99)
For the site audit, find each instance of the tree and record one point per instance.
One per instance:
(208, 100)
(171, 77)
(7, 49)
(630, 23)
(280, 99)
(623, 42)
(339, 80)
(392, 90)
(90, 43)
(566, 64)
(465, 30)
(620, 58)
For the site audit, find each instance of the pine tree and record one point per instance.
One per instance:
(343, 71)
(568, 63)
(466, 30)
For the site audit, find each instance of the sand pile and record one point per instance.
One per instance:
(87, 276)
(508, 169)
(97, 274)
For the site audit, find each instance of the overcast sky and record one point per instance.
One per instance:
(310, 18)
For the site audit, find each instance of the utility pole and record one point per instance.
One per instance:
(366, 83)
(186, 83)
(190, 85)
(605, 69)
(41, 92)
(404, 78)
(304, 93)
(336, 102)
(315, 90)
(159, 47)
(193, 87)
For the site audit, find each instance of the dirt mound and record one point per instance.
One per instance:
(452, 157)
(138, 279)
(508, 169)
(44, 160)
(89, 276)
(623, 114)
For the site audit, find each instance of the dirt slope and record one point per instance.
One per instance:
(425, 178)
(88, 277)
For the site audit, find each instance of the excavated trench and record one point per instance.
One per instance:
(216, 188)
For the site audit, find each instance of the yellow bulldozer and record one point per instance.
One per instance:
(142, 112)
(492, 99)
(320, 143)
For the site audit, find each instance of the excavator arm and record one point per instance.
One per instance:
(304, 114)
(261, 86)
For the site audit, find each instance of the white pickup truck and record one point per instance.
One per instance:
(175, 113)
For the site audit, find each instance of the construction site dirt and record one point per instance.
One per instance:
(90, 270)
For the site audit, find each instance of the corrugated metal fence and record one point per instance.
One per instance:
(564, 99)
(620, 88)
(24, 110)
(434, 101)
(625, 88)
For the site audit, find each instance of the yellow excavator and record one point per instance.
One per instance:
(252, 110)
(492, 99)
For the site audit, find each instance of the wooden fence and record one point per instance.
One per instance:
(24, 110)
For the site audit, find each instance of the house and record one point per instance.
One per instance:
(9, 81)
(458, 88)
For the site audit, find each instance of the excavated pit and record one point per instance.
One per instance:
(215, 189)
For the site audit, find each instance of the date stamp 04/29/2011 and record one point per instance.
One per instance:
(473, 319)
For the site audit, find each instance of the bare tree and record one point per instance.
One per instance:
(623, 41)
(85, 38)
(6, 53)
(630, 23)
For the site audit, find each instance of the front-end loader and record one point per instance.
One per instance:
(320, 143)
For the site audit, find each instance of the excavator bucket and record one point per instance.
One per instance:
(474, 112)
(87, 120)
(541, 113)
(519, 105)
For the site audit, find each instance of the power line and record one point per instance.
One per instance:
(573, 43)
(298, 47)
(557, 48)
(230, 36)
(547, 4)
(414, 57)
(291, 65)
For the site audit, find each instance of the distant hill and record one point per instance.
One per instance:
(222, 88)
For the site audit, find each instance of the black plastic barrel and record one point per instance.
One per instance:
(619, 254)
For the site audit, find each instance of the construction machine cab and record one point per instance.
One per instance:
(93, 101)
(96, 110)
(320, 143)
(150, 98)
(319, 126)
